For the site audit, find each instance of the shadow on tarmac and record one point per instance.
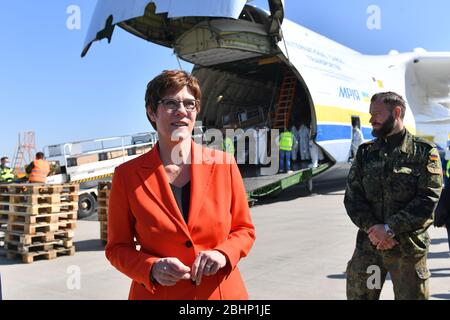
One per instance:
(320, 187)
(439, 241)
(438, 255)
(437, 273)
(6, 262)
(92, 217)
(442, 296)
(89, 245)
(341, 276)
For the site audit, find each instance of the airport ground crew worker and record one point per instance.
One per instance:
(286, 143)
(296, 143)
(304, 142)
(357, 140)
(38, 169)
(393, 187)
(6, 173)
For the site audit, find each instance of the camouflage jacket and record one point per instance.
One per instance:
(400, 189)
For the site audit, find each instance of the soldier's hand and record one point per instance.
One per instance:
(377, 234)
(387, 245)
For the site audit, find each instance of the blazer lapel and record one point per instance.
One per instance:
(202, 168)
(156, 182)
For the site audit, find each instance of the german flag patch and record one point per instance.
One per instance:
(434, 157)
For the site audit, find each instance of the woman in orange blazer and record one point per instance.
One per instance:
(185, 204)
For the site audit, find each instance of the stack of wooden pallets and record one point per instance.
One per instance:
(40, 220)
(4, 209)
(104, 189)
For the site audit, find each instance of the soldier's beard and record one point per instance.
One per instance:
(385, 129)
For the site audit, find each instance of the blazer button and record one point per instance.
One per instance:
(188, 244)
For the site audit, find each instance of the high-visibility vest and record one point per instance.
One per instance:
(6, 174)
(228, 145)
(286, 141)
(447, 171)
(40, 171)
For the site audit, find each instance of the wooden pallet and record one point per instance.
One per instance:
(104, 190)
(38, 188)
(37, 199)
(102, 211)
(103, 202)
(102, 216)
(20, 227)
(14, 217)
(38, 246)
(104, 194)
(27, 239)
(2, 239)
(4, 218)
(42, 208)
(104, 185)
(47, 255)
(18, 247)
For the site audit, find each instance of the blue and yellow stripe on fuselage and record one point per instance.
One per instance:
(334, 129)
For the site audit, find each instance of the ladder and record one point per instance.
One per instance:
(24, 153)
(285, 102)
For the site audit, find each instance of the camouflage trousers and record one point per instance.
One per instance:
(368, 268)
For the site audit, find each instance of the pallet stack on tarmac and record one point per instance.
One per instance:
(104, 188)
(40, 220)
(3, 226)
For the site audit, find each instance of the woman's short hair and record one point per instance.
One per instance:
(170, 80)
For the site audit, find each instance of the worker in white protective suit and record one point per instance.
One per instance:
(296, 143)
(357, 140)
(304, 144)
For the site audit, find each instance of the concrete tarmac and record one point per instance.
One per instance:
(302, 248)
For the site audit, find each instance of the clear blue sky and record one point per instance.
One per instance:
(46, 87)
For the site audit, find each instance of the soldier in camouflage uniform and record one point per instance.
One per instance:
(393, 187)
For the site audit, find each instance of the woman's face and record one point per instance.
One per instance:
(173, 121)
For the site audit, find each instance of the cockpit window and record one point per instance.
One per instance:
(245, 15)
(251, 16)
(257, 18)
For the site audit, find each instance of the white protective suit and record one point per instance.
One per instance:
(304, 142)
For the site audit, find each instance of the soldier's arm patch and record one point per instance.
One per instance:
(433, 170)
(434, 162)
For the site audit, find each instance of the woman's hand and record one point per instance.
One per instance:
(168, 271)
(207, 263)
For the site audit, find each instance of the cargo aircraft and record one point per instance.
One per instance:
(258, 69)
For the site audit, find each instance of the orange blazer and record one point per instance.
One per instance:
(142, 206)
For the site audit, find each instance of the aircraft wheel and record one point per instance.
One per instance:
(86, 205)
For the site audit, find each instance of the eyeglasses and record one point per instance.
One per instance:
(174, 104)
